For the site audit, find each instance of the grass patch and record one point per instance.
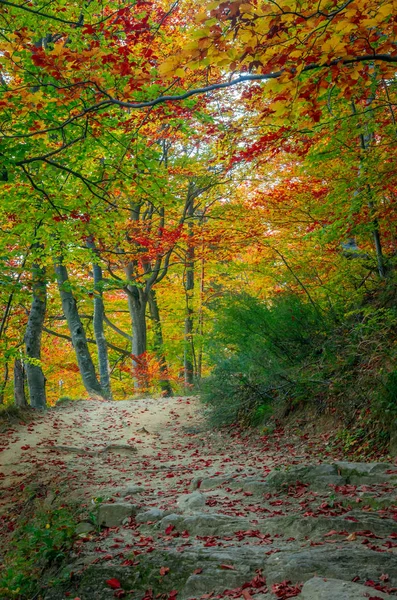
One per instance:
(35, 551)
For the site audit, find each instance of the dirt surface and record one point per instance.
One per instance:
(222, 504)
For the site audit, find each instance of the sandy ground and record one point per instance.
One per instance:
(77, 438)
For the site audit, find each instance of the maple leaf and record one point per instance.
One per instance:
(114, 583)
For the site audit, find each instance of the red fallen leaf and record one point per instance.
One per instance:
(285, 590)
(173, 594)
(197, 571)
(229, 567)
(114, 583)
(25, 447)
(164, 570)
(384, 577)
(169, 529)
(246, 595)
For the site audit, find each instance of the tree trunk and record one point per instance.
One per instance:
(201, 322)
(4, 383)
(79, 340)
(19, 384)
(34, 330)
(165, 384)
(137, 303)
(365, 142)
(99, 312)
(189, 287)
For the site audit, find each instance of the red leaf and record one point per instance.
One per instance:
(197, 571)
(169, 529)
(164, 570)
(229, 567)
(114, 584)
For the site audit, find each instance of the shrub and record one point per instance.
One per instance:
(40, 542)
(259, 354)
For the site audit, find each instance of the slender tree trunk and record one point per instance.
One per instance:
(99, 332)
(189, 291)
(137, 303)
(4, 383)
(19, 384)
(365, 141)
(79, 340)
(201, 322)
(165, 384)
(34, 330)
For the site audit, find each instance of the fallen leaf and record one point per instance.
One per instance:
(114, 583)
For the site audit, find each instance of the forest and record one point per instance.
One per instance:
(200, 197)
(198, 299)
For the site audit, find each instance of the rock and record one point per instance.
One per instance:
(331, 589)
(209, 483)
(315, 527)
(122, 492)
(111, 515)
(258, 488)
(366, 473)
(190, 502)
(206, 523)
(317, 476)
(153, 514)
(133, 489)
(341, 562)
(84, 527)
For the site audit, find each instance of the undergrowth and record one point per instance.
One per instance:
(36, 549)
(290, 354)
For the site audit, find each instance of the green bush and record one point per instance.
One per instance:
(38, 545)
(259, 354)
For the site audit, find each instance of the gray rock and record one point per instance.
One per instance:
(111, 515)
(122, 492)
(343, 562)
(191, 502)
(153, 514)
(84, 527)
(366, 473)
(206, 523)
(295, 526)
(258, 488)
(133, 489)
(209, 483)
(330, 589)
(356, 468)
(317, 476)
(315, 527)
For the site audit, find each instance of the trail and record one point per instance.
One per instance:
(187, 512)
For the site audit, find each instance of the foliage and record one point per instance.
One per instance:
(120, 126)
(38, 545)
(260, 353)
(286, 353)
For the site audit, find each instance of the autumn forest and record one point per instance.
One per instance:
(201, 196)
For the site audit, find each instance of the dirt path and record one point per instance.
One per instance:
(191, 513)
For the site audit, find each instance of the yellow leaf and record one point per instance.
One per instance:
(387, 10)
(279, 108)
(247, 8)
(334, 44)
(247, 35)
(169, 65)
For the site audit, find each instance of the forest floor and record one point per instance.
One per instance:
(169, 508)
